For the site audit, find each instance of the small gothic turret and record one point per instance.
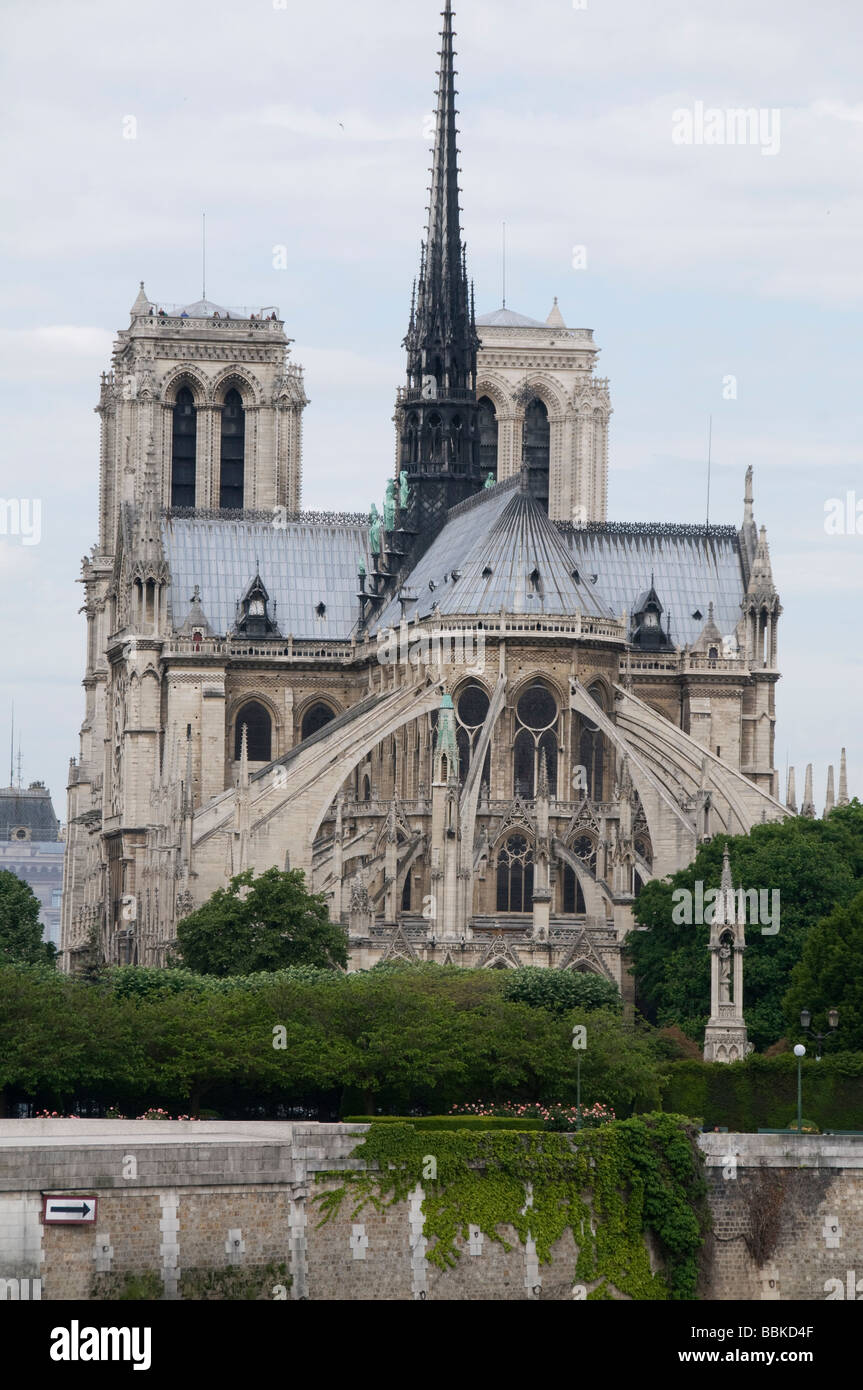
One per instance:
(830, 803)
(843, 781)
(791, 794)
(808, 807)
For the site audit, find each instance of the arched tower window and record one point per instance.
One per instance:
(537, 449)
(316, 718)
(515, 876)
(233, 452)
(435, 439)
(259, 732)
(183, 447)
(487, 437)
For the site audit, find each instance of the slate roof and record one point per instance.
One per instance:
(496, 543)
(691, 567)
(30, 809)
(307, 563)
(302, 563)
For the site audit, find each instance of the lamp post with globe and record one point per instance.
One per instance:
(800, 1053)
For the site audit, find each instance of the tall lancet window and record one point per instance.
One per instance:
(487, 437)
(233, 451)
(537, 449)
(183, 450)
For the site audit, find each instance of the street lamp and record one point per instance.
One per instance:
(800, 1053)
(805, 1021)
(579, 1043)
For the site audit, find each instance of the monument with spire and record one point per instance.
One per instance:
(725, 1037)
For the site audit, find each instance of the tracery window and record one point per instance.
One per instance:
(515, 875)
(591, 752)
(572, 895)
(316, 718)
(471, 709)
(259, 733)
(535, 741)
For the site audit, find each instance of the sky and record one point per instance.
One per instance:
(722, 275)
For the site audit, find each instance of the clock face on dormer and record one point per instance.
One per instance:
(256, 608)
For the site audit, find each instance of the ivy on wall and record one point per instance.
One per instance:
(231, 1283)
(609, 1186)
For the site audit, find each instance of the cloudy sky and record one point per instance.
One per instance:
(305, 126)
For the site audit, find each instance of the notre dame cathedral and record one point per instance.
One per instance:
(479, 718)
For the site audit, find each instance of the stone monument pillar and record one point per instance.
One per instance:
(725, 1038)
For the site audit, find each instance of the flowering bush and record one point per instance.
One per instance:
(556, 1115)
(53, 1115)
(160, 1114)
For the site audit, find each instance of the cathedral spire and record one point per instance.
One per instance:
(437, 414)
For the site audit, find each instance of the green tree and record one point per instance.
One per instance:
(830, 975)
(813, 865)
(20, 928)
(559, 991)
(264, 923)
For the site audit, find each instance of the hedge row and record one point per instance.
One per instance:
(761, 1093)
(439, 1122)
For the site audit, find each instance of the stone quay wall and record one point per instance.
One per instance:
(215, 1209)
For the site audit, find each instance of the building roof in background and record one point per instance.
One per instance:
(30, 809)
(507, 318)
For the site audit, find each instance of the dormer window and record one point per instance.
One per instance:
(253, 612)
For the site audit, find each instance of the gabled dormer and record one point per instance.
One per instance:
(254, 618)
(646, 630)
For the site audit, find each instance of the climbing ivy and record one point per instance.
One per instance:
(609, 1186)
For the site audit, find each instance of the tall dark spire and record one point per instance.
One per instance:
(437, 411)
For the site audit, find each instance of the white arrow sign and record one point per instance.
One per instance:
(72, 1210)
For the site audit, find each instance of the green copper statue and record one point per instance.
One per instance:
(491, 481)
(374, 530)
(404, 491)
(390, 506)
